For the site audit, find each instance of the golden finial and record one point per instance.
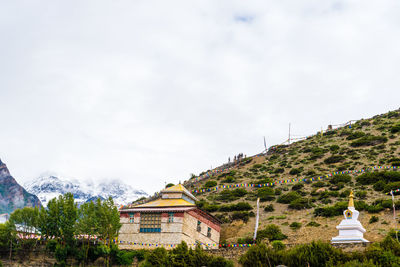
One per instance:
(351, 201)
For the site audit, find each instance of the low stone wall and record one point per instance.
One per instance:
(349, 247)
(231, 253)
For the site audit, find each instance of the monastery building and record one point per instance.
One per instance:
(167, 221)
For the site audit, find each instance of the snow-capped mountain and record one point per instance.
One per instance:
(47, 187)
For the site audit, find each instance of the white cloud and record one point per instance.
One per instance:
(149, 91)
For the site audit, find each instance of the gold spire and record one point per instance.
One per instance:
(351, 201)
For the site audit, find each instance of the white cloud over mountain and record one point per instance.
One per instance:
(151, 91)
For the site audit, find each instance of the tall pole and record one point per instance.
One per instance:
(394, 214)
(265, 144)
(257, 218)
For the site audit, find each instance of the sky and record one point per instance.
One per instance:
(149, 92)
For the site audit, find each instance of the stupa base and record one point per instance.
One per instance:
(348, 239)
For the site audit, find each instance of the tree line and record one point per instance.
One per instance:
(65, 229)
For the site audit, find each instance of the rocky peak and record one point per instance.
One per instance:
(13, 195)
(4, 172)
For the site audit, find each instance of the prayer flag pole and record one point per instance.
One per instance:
(257, 217)
(394, 214)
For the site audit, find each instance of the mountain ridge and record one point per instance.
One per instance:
(12, 194)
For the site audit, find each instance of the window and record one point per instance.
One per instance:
(170, 217)
(198, 226)
(131, 217)
(150, 222)
(209, 232)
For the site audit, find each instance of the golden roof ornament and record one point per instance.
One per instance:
(351, 201)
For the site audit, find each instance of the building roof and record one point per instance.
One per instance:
(179, 189)
(161, 202)
(162, 209)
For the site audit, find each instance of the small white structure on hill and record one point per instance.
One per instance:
(350, 229)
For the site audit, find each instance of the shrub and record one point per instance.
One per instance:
(241, 206)
(373, 177)
(373, 219)
(123, 257)
(369, 140)
(317, 153)
(61, 254)
(295, 171)
(229, 179)
(297, 187)
(375, 208)
(355, 135)
(288, 197)
(334, 148)
(266, 194)
(345, 193)
(318, 184)
(279, 170)
(337, 186)
(231, 195)
(278, 191)
(278, 245)
(313, 224)
(240, 215)
(210, 183)
(295, 225)
(239, 192)
(393, 114)
(395, 128)
(391, 186)
(269, 208)
(379, 186)
(259, 256)
(310, 173)
(334, 159)
(330, 211)
(340, 178)
(361, 194)
(381, 256)
(314, 254)
(204, 205)
(183, 256)
(222, 217)
(327, 194)
(300, 203)
(271, 232)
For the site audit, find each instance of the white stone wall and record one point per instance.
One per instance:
(191, 235)
(171, 233)
(184, 228)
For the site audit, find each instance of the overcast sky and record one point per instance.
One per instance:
(151, 91)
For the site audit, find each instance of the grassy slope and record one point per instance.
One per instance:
(310, 157)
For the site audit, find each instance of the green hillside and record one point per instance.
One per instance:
(309, 210)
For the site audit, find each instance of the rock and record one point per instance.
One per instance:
(320, 190)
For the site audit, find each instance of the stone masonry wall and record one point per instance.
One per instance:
(191, 235)
(171, 232)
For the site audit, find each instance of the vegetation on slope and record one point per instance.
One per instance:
(367, 143)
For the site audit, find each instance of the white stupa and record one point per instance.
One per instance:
(350, 229)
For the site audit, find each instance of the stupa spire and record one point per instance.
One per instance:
(351, 199)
